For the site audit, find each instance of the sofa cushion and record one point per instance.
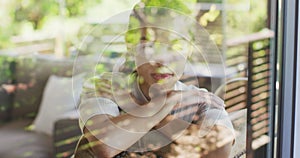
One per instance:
(16, 142)
(58, 99)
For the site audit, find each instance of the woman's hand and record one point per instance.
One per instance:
(189, 106)
(193, 100)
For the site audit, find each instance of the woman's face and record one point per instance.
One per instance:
(159, 65)
(155, 72)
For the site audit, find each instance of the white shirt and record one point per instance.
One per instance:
(97, 102)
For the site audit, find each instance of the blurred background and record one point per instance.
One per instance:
(27, 22)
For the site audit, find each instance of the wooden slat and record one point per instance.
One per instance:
(250, 38)
(261, 82)
(236, 107)
(262, 88)
(236, 100)
(259, 125)
(260, 132)
(258, 105)
(236, 85)
(232, 100)
(262, 52)
(259, 111)
(260, 75)
(262, 116)
(259, 98)
(261, 68)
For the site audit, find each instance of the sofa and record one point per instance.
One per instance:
(40, 121)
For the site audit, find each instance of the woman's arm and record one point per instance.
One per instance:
(211, 118)
(191, 107)
(111, 135)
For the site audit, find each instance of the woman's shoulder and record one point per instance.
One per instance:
(98, 85)
(181, 86)
(96, 80)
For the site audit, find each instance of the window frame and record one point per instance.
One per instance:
(297, 110)
(287, 79)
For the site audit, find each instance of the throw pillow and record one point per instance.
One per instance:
(61, 95)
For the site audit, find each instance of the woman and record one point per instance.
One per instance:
(147, 113)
